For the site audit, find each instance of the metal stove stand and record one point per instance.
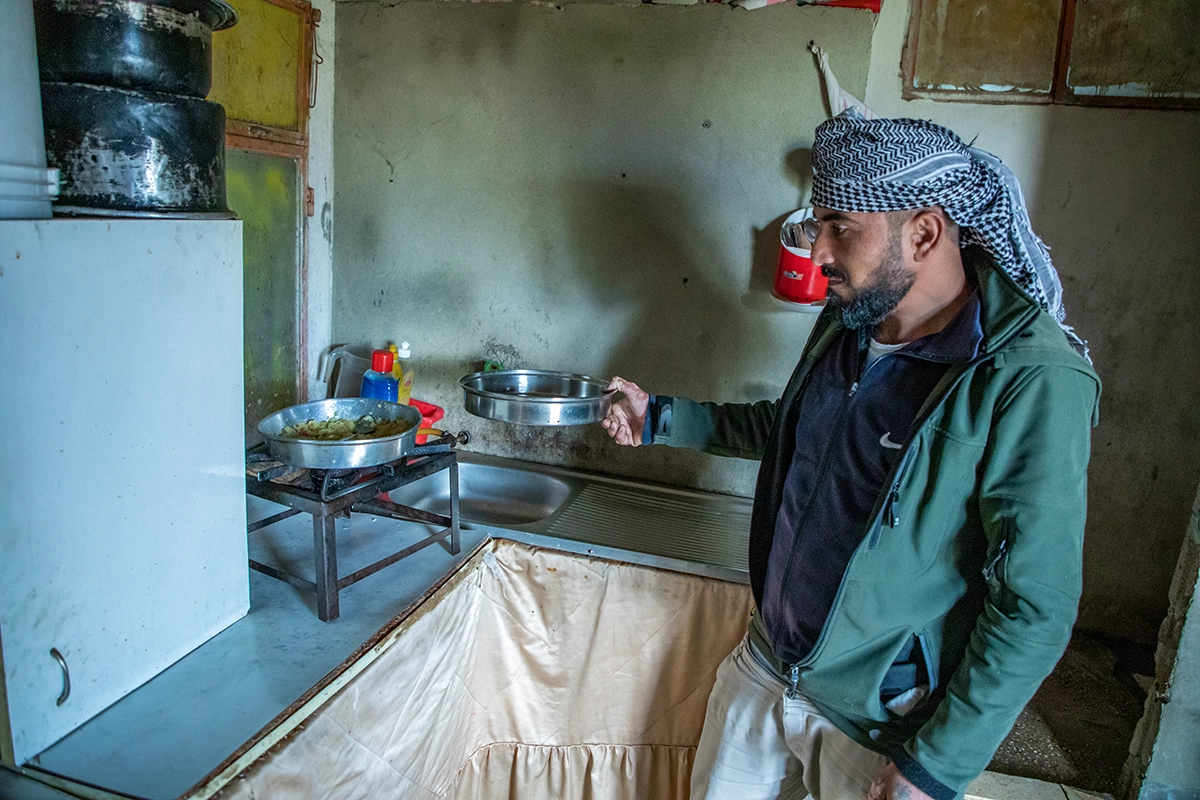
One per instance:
(327, 495)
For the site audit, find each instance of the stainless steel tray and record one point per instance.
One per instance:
(352, 454)
(536, 397)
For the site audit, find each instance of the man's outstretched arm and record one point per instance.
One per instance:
(739, 430)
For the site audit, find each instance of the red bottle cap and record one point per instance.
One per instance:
(381, 361)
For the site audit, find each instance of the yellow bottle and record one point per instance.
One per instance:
(402, 371)
(397, 369)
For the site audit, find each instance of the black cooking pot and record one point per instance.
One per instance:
(156, 45)
(125, 150)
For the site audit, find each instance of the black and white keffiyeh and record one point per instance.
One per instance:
(867, 165)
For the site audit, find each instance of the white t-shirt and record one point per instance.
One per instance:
(876, 350)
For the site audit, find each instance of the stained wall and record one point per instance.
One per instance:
(597, 188)
(591, 188)
(1162, 759)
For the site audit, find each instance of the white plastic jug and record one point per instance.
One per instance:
(352, 361)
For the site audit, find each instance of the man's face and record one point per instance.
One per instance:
(862, 255)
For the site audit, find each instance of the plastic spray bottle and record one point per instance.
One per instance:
(378, 381)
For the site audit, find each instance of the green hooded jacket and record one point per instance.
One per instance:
(983, 568)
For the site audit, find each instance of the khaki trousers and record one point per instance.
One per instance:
(760, 743)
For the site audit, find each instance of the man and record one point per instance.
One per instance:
(917, 530)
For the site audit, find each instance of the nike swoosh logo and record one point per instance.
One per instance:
(886, 441)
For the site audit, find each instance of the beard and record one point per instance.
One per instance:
(886, 286)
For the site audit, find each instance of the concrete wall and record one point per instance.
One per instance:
(1164, 762)
(319, 227)
(597, 188)
(592, 188)
(1115, 193)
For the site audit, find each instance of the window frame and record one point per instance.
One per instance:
(1059, 94)
(257, 138)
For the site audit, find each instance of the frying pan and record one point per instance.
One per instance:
(315, 454)
(536, 397)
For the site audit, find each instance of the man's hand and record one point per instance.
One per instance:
(627, 416)
(891, 785)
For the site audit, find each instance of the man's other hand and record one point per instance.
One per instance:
(891, 785)
(627, 416)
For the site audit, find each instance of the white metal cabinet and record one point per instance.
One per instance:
(122, 496)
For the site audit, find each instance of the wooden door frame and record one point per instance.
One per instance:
(256, 138)
(309, 19)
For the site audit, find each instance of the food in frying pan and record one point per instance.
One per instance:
(338, 429)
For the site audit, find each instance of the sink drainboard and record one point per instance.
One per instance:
(715, 532)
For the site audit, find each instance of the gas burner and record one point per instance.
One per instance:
(328, 482)
(330, 493)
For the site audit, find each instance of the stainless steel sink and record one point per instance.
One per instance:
(489, 495)
(551, 506)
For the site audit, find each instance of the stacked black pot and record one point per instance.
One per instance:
(123, 88)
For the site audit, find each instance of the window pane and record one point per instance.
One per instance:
(264, 191)
(1146, 49)
(998, 46)
(255, 72)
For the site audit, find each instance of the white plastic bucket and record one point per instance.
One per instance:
(26, 186)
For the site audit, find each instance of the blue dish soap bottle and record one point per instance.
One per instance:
(378, 381)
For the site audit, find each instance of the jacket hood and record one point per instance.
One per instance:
(1007, 311)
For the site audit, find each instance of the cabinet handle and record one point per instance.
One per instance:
(62, 662)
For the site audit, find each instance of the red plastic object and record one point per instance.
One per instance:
(872, 5)
(381, 361)
(797, 279)
(429, 415)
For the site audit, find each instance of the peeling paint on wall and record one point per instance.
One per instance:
(327, 222)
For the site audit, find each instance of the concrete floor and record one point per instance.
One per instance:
(1078, 727)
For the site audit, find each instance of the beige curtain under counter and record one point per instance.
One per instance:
(541, 674)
